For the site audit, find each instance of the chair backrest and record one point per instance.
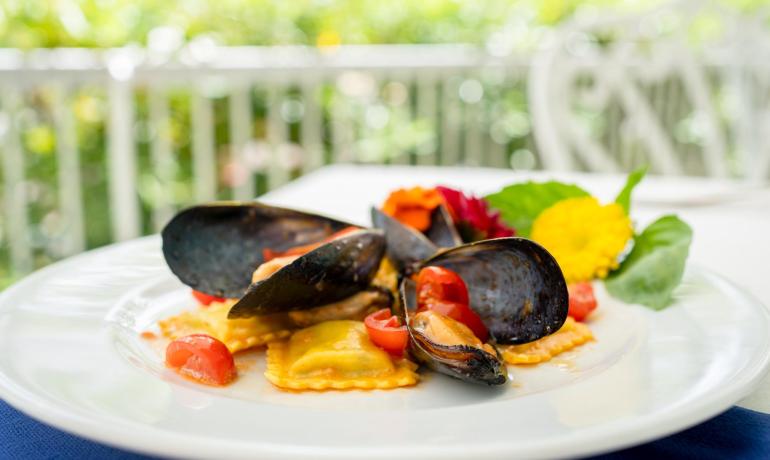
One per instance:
(682, 88)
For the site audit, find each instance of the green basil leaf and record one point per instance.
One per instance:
(655, 265)
(624, 197)
(520, 204)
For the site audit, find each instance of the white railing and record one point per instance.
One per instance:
(318, 106)
(205, 122)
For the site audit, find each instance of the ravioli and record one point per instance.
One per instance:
(236, 334)
(569, 336)
(240, 334)
(335, 355)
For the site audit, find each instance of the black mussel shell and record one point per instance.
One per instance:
(442, 231)
(463, 362)
(331, 272)
(407, 246)
(215, 248)
(514, 285)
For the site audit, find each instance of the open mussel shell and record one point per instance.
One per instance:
(514, 285)
(214, 248)
(442, 231)
(329, 273)
(407, 246)
(463, 362)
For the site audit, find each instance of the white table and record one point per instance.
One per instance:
(731, 222)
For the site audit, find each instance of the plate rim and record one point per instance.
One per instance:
(150, 440)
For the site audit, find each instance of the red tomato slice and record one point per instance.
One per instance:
(443, 291)
(581, 300)
(202, 358)
(386, 331)
(206, 299)
(441, 284)
(268, 254)
(459, 312)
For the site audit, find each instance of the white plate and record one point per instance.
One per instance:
(72, 357)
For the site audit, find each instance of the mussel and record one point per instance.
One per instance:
(407, 246)
(474, 363)
(332, 272)
(442, 231)
(514, 285)
(516, 288)
(214, 248)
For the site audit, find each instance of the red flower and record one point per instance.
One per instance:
(472, 215)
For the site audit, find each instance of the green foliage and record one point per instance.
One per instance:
(624, 197)
(655, 266)
(108, 23)
(98, 23)
(520, 204)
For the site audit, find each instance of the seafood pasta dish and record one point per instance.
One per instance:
(440, 281)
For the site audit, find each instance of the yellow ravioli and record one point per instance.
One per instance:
(236, 334)
(569, 336)
(335, 355)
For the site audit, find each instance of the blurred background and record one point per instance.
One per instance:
(115, 113)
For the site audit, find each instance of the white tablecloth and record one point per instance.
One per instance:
(731, 221)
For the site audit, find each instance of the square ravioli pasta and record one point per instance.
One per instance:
(569, 336)
(236, 334)
(335, 355)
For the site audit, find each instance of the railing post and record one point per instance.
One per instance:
(121, 162)
(277, 134)
(312, 126)
(473, 153)
(427, 110)
(203, 157)
(240, 119)
(450, 123)
(161, 155)
(341, 132)
(14, 190)
(68, 172)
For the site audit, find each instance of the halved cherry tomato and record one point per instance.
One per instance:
(443, 291)
(442, 284)
(268, 254)
(206, 299)
(581, 300)
(386, 331)
(202, 358)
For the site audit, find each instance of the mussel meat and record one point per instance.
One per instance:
(214, 248)
(441, 344)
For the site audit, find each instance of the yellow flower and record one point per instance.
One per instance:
(585, 237)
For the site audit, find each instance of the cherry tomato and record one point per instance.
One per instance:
(458, 312)
(441, 284)
(386, 331)
(581, 300)
(268, 254)
(206, 299)
(443, 291)
(202, 358)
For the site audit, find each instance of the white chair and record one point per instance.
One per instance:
(682, 88)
